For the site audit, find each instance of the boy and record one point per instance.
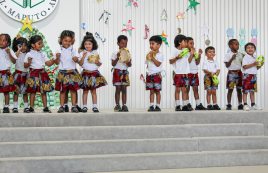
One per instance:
(211, 69)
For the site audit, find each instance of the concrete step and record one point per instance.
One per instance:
(132, 118)
(128, 132)
(129, 162)
(98, 147)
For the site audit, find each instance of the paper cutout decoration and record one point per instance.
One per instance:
(254, 34)
(242, 38)
(205, 34)
(83, 26)
(27, 24)
(230, 33)
(164, 15)
(178, 30)
(132, 2)
(180, 16)
(146, 32)
(106, 16)
(128, 27)
(192, 5)
(102, 39)
(164, 38)
(99, 1)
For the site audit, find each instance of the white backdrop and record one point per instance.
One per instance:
(218, 15)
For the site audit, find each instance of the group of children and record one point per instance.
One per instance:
(30, 76)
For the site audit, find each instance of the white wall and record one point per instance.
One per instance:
(218, 15)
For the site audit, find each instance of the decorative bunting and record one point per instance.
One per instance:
(164, 15)
(128, 27)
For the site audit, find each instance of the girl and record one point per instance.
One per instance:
(92, 79)
(38, 79)
(7, 57)
(68, 78)
(20, 46)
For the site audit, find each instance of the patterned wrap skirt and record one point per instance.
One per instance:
(68, 80)
(6, 82)
(20, 78)
(92, 80)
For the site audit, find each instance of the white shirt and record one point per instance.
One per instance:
(152, 68)
(89, 66)
(66, 58)
(249, 60)
(236, 63)
(5, 62)
(210, 65)
(39, 59)
(20, 63)
(181, 66)
(193, 66)
(119, 65)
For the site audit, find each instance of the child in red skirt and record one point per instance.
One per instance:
(120, 75)
(68, 78)
(20, 46)
(7, 57)
(154, 61)
(92, 79)
(38, 79)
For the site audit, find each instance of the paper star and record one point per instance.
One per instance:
(128, 27)
(180, 15)
(27, 23)
(192, 5)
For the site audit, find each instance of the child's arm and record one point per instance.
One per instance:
(227, 64)
(157, 63)
(218, 72)
(81, 62)
(114, 62)
(28, 63)
(190, 59)
(250, 65)
(57, 60)
(50, 62)
(208, 72)
(98, 63)
(197, 62)
(12, 58)
(75, 59)
(129, 64)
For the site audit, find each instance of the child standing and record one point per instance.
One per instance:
(233, 61)
(193, 75)
(7, 57)
(120, 75)
(92, 79)
(181, 70)
(250, 69)
(154, 62)
(20, 46)
(38, 79)
(211, 69)
(68, 78)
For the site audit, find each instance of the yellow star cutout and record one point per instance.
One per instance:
(27, 23)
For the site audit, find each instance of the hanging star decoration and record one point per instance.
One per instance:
(180, 16)
(164, 15)
(27, 23)
(132, 2)
(164, 38)
(128, 27)
(192, 5)
(105, 15)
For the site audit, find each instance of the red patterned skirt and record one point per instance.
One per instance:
(68, 80)
(20, 78)
(92, 80)
(6, 82)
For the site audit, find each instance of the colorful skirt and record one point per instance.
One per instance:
(249, 83)
(6, 82)
(68, 80)
(92, 80)
(20, 78)
(121, 78)
(38, 81)
(154, 82)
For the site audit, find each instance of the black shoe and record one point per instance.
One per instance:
(26, 110)
(74, 109)
(151, 109)
(31, 110)
(216, 107)
(124, 108)
(229, 107)
(117, 108)
(15, 110)
(185, 108)
(240, 107)
(66, 108)
(190, 107)
(79, 108)
(95, 110)
(210, 107)
(200, 107)
(62, 109)
(6, 110)
(178, 108)
(46, 110)
(84, 110)
(157, 109)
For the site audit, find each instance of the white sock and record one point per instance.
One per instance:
(84, 106)
(158, 105)
(186, 102)
(15, 104)
(177, 102)
(151, 104)
(26, 105)
(240, 103)
(197, 102)
(214, 103)
(95, 105)
(6, 106)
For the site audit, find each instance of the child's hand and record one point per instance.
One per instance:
(58, 55)
(30, 60)
(7, 50)
(200, 51)
(234, 56)
(192, 51)
(118, 54)
(256, 63)
(75, 59)
(84, 54)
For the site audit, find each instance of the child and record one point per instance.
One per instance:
(193, 75)
(20, 46)
(181, 71)
(68, 78)
(233, 61)
(120, 75)
(250, 69)
(38, 79)
(92, 79)
(7, 57)
(154, 68)
(211, 68)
